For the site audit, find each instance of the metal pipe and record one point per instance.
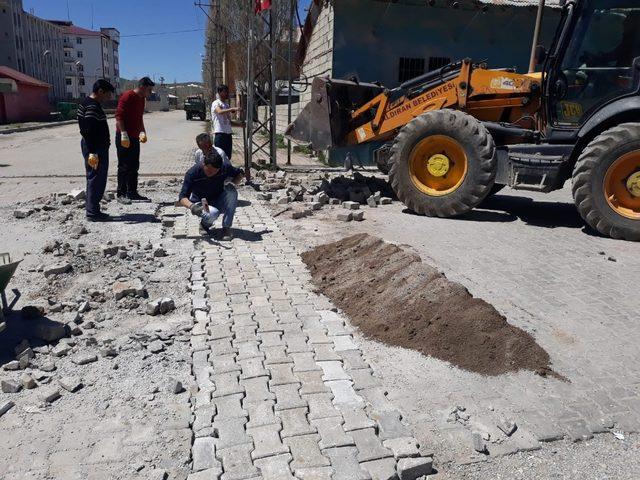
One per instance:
(272, 82)
(248, 148)
(291, 21)
(536, 37)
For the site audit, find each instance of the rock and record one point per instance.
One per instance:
(321, 198)
(344, 216)
(10, 386)
(32, 311)
(153, 307)
(351, 205)
(12, 365)
(167, 305)
(152, 183)
(159, 252)
(479, 444)
(175, 386)
(5, 406)
(49, 395)
(57, 269)
(358, 216)
(315, 205)
(265, 196)
(414, 468)
(377, 196)
(60, 350)
(84, 307)
(23, 362)
(79, 230)
(371, 201)
(23, 346)
(84, 358)
(22, 213)
(108, 352)
(507, 427)
(78, 194)
(28, 381)
(52, 246)
(48, 330)
(48, 367)
(156, 346)
(123, 288)
(109, 250)
(282, 200)
(385, 201)
(70, 384)
(334, 201)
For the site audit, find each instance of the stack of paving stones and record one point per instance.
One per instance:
(283, 391)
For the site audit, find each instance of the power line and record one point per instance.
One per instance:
(162, 33)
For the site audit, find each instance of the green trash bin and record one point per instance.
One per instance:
(68, 110)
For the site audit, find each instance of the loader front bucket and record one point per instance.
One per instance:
(325, 121)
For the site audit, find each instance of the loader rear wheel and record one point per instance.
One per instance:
(442, 163)
(606, 183)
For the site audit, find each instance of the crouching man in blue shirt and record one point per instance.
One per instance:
(209, 180)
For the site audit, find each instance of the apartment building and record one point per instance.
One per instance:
(33, 46)
(89, 55)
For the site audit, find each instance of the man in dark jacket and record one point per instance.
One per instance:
(95, 147)
(207, 194)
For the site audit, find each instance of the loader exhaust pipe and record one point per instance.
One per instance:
(536, 36)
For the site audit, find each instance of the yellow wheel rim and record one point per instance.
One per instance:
(622, 185)
(438, 165)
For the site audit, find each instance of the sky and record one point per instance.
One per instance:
(174, 56)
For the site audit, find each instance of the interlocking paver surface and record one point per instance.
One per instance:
(275, 380)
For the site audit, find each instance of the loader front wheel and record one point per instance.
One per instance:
(606, 183)
(442, 163)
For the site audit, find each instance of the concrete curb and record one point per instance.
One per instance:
(37, 127)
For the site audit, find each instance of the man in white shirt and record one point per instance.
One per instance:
(221, 120)
(205, 145)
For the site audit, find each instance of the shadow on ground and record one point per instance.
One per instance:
(39, 331)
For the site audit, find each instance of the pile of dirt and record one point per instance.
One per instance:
(396, 299)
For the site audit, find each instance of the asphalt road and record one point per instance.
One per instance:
(55, 152)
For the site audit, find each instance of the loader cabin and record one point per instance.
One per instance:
(394, 41)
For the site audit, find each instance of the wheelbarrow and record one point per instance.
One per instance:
(7, 269)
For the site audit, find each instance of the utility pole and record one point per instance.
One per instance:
(289, 59)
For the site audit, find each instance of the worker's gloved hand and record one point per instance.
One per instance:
(196, 209)
(124, 140)
(93, 161)
(143, 137)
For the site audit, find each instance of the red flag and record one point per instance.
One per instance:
(262, 5)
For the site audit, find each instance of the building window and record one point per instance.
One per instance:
(79, 40)
(79, 53)
(83, 95)
(438, 62)
(68, 81)
(410, 68)
(81, 81)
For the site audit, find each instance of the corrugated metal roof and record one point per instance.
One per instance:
(8, 72)
(522, 3)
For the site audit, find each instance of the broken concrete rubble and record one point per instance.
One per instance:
(123, 288)
(160, 306)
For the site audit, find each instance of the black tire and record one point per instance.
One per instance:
(202, 117)
(589, 176)
(478, 146)
(188, 116)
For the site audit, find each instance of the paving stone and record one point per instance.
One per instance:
(355, 418)
(220, 331)
(203, 418)
(369, 445)
(296, 343)
(577, 430)
(84, 358)
(230, 432)
(325, 353)
(226, 384)
(363, 378)
(319, 473)
(48, 395)
(203, 453)
(224, 363)
(331, 433)
(282, 374)
(295, 422)
(344, 342)
(318, 336)
(383, 469)
(402, 447)
(305, 452)
(253, 368)
(236, 463)
(344, 394)
(413, 468)
(70, 384)
(267, 441)
(311, 382)
(256, 390)
(287, 396)
(333, 371)
(390, 426)
(377, 398)
(221, 346)
(275, 355)
(261, 414)
(229, 406)
(321, 405)
(275, 468)
(270, 339)
(304, 362)
(10, 386)
(344, 462)
(352, 360)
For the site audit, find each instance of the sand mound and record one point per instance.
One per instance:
(395, 298)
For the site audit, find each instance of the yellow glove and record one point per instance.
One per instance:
(93, 161)
(124, 140)
(143, 137)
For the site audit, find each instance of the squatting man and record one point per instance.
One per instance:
(208, 193)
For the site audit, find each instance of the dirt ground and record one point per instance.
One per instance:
(396, 299)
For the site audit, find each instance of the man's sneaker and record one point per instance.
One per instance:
(136, 197)
(204, 230)
(99, 217)
(123, 200)
(227, 234)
